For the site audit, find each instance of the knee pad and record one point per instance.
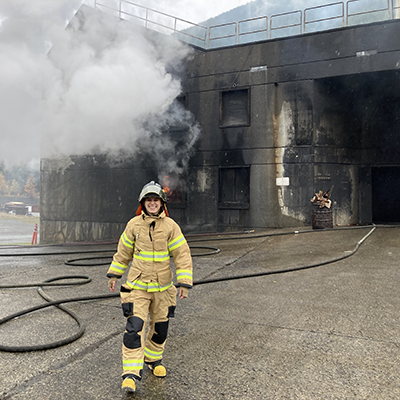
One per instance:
(127, 308)
(161, 331)
(131, 337)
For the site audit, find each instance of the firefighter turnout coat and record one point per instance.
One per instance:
(149, 242)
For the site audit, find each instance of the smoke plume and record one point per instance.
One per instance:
(98, 86)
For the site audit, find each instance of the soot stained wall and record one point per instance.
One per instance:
(88, 200)
(317, 105)
(320, 116)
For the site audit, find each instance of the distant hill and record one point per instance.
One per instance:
(258, 8)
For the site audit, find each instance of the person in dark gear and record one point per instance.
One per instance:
(149, 239)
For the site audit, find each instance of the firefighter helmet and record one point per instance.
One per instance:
(152, 189)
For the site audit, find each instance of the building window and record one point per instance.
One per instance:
(234, 188)
(183, 100)
(234, 108)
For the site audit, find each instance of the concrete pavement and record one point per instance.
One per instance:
(331, 332)
(17, 229)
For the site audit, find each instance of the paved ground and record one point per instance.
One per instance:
(330, 332)
(17, 229)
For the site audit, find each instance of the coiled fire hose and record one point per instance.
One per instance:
(84, 279)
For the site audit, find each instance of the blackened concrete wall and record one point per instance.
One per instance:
(324, 111)
(89, 200)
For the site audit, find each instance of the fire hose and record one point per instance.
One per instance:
(84, 279)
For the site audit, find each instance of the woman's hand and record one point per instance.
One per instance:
(183, 292)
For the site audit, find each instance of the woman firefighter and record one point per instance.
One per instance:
(149, 239)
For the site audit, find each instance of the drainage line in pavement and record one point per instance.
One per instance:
(86, 279)
(282, 271)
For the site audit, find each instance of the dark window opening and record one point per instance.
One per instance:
(234, 188)
(183, 100)
(234, 108)
(385, 194)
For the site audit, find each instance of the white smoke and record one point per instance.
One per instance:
(93, 92)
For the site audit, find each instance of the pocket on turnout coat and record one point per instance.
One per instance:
(164, 277)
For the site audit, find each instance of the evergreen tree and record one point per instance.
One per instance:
(3, 184)
(30, 186)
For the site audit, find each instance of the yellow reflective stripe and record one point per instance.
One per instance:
(157, 253)
(148, 287)
(152, 354)
(118, 267)
(127, 242)
(156, 256)
(143, 257)
(137, 285)
(131, 365)
(184, 274)
(177, 242)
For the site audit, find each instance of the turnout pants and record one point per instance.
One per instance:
(138, 347)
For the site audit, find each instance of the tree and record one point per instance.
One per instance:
(30, 186)
(3, 184)
(14, 187)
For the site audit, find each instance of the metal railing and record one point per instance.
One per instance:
(257, 29)
(312, 19)
(291, 22)
(395, 9)
(156, 20)
(354, 9)
(225, 28)
(319, 18)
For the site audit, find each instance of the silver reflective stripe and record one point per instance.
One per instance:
(126, 241)
(149, 287)
(132, 364)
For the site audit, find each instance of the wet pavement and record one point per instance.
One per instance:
(17, 229)
(328, 332)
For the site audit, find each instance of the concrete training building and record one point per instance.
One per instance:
(280, 119)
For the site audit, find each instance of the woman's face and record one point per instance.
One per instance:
(152, 205)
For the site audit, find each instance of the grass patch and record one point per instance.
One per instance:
(17, 244)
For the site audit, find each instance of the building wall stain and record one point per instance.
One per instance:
(319, 118)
